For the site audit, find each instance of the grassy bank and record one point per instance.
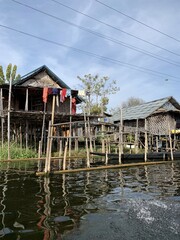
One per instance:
(16, 152)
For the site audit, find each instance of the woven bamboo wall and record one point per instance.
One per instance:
(159, 124)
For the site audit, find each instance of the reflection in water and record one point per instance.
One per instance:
(51, 208)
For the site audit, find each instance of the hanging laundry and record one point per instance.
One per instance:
(82, 93)
(57, 100)
(73, 106)
(49, 91)
(45, 94)
(62, 95)
(55, 91)
(68, 92)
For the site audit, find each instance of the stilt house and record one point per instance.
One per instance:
(29, 108)
(161, 116)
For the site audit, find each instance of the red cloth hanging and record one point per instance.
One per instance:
(45, 94)
(73, 106)
(62, 95)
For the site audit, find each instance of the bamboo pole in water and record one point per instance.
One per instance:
(8, 121)
(43, 129)
(146, 141)
(121, 138)
(86, 139)
(170, 140)
(70, 126)
(128, 165)
(65, 154)
(136, 136)
(2, 117)
(27, 133)
(27, 123)
(47, 148)
(50, 132)
(106, 158)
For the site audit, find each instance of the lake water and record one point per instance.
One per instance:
(135, 203)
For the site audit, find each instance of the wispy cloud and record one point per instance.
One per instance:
(30, 53)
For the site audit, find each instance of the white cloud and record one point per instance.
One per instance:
(29, 53)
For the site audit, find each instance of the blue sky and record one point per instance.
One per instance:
(30, 53)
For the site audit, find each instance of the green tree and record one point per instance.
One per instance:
(2, 78)
(10, 74)
(98, 90)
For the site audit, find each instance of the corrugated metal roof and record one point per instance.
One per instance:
(144, 110)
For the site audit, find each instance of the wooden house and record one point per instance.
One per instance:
(28, 110)
(161, 115)
(159, 118)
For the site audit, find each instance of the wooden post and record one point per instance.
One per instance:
(106, 159)
(8, 121)
(51, 134)
(102, 134)
(47, 149)
(157, 144)
(146, 141)
(70, 127)
(89, 133)
(60, 148)
(120, 138)
(26, 103)
(136, 136)
(170, 140)
(27, 133)
(20, 135)
(86, 139)
(2, 117)
(65, 155)
(76, 144)
(27, 123)
(42, 130)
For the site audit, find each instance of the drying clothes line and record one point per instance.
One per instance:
(61, 94)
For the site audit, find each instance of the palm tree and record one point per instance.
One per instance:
(10, 74)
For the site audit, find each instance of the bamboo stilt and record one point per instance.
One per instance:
(70, 127)
(103, 142)
(146, 142)
(48, 154)
(89, 133)
(65, 154)
(170, 141)
(2, 118)
(27, 134)
(120, 137)
(86, 139)
(47, 149)
(43, 129)
(157, 144)
(136, 137)
(106, 158)
(9, 110)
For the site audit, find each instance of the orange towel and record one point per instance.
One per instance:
(45, 94)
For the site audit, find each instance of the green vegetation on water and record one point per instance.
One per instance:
(16, 152)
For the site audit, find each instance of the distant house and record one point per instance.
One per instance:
(27, 106)
(161, 116)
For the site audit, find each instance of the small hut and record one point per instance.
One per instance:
(159, 118)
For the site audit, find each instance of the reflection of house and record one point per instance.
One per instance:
(27, 106)
(162, 115)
